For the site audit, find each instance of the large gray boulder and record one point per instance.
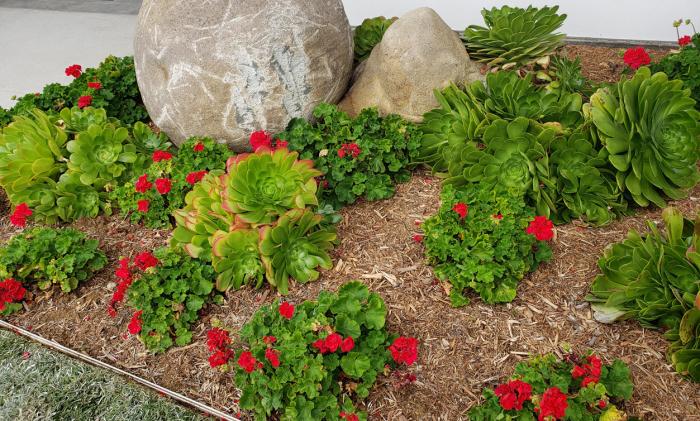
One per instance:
(418, 54)
(226, 68)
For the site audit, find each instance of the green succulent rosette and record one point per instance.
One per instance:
(264, 185)
(650, 129)
(295, 248)
(369, 34)
(236, 259)
(101, 154)
(76, 120)
(75, 200)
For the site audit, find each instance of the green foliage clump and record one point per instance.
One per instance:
(684, 65)
(488, 251)
(259, 216)
(651, 132)
(119, 93)
(564, 76)
(48, 256)
(515, 37)
(64, 168)
(386, 146)
(170, 296)
(312, 382)
(601, 399)
(185, 162)
(369, 34)
(653, 278)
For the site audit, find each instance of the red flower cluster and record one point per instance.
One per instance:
(95, 85)
(20, 215)
(553, 404)
(142, 184)
(84, 101)
(683, 41)
(404, 350)
(541, 228)
(124, 274)
(218, 341)
(348, 417)
(269, 340)
(161, 156)
(247, 362)
(145, 260)
(590, 372)
(273, 356)
(198, 147)
(462, 209)
(333, 342)
(220, 357)
(497, 217)
(286, 310)
(143, 205)
(349, 149)
(11, 291)
(279, 144)
(418, 238)
(260, 139)
(164, 185)
(135, 323)
(75, 70)
(195, 177)
(636, 57)
(513, 394)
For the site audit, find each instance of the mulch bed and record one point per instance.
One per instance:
(461, 350)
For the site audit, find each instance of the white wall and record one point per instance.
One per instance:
(616, 19)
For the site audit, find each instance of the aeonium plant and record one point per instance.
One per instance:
(312, 360)
(546, 388)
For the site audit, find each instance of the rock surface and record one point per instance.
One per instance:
(226, 68)
(418, 54)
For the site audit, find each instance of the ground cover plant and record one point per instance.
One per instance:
(153, 196)
(654, 279)
(62, 170)
(576, 387)
(486, 240)
(312, 360)
(369, 34)
(684, 64)
(111, 86)
(358, 157)
(515, 37)
(259, 220)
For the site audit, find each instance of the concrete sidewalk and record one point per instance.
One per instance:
(39, 44)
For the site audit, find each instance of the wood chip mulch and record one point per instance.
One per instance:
(461, 350)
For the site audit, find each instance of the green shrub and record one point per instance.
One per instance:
(651, 131)
(573, 388)
(684, 65)
(478, 241)
(359, 157)
(311, 361)
(515, 37)
(653, 279)
(184, 169)
(369, 34)
(48, 256)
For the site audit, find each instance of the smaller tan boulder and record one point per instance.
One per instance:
(418, 54)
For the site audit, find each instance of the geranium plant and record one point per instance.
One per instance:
(546, 388)
(312, 360)
(684, 64)
(485, 240)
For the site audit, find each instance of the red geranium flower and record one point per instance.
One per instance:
(143, 205)
(513, 394)
(145, 260)
(95, 85)
(135, 323)
(351, 149)
(602, 404)
(220, 357)
(195, 177)
(281, 144)
(247, 362)
(418, 238)
(590, 372)
(636, 57)
(163, 185)
(161, 156)
(498, 217)
(198, 147)
(462, 209)
(333, 342)
(20, 215)
(541, 228)
(273, 357)
(348, 417)
(347, 345)
(217, 339)
(11, 291)
(123, 271)
(286, 310)
(260, 139)
(75, 70)
(84, 101)
(553, 404)
(404, 350)
(683, 41)
(269, 340)
(142, 184)
(320, 345)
